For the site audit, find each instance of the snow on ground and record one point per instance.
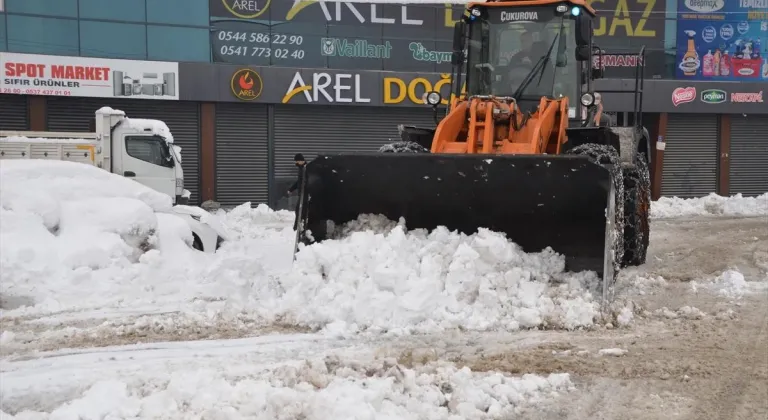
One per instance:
(713, 204)
(731, 285)
(284, 377)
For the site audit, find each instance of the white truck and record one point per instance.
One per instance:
(140, 149)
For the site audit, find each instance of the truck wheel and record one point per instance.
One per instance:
(608, 157)
(637, 190)
(403, 147)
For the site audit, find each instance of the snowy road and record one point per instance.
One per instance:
(395, 325)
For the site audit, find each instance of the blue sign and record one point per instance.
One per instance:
(722, 40)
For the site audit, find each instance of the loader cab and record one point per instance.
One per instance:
(528, 52)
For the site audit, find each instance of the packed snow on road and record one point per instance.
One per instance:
(107, 312)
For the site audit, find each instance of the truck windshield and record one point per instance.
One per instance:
(506, 45)
(150, 149)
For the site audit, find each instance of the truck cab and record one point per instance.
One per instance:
(140, 149)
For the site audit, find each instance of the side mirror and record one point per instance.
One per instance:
(459, 39)
(583, 30)
(582, 53)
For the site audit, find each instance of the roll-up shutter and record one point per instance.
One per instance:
(13, 113)
(312, 129)
(242, 154)
(690, 158)
(749, 155)
(182, 118)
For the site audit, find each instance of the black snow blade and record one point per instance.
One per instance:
(537, 201)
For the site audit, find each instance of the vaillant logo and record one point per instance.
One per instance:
(359, 48)
(713, 96)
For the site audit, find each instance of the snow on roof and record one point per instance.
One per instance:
(45, 140)
(155, 126)
(109, 110)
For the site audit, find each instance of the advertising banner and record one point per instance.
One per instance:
(28, 74)
(333, 34)
(722, 40)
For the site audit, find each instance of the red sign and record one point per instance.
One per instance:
(683, 95)
(747, 97)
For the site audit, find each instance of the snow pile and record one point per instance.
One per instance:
(731, 284)
(416, 281)
(77, 239)
(315, 390)
(713, 204)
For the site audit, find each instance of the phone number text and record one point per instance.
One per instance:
(260, 38)
(37, 92)
(266, 52)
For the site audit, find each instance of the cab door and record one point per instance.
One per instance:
(148, 161)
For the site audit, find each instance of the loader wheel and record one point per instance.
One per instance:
(637, 190)
(403, 147)
(609, 157)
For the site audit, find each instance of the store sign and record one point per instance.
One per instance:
(28, 74)
(629, 18)
(401, 90)
(683, 95)
(246, 85)
(713, 96)
(327, 88)
(747, 97)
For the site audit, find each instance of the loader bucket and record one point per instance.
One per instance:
(537, 201)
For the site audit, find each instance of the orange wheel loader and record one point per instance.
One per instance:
(516, 153)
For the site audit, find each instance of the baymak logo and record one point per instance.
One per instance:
(683, 95)
(359, 48)
(713, 96)
(421, 53)
(705, 6)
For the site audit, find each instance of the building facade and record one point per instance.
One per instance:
(244, 85)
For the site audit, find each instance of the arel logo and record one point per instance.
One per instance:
(713, 96)
(358, 48)
(683, 95)
(705, 6)
(421, 53)
(519, 16)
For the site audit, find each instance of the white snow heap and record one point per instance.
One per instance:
(409, 282)
(318, 389)
(712, 204)
(68, 227)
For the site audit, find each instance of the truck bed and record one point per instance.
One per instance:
(81, 150)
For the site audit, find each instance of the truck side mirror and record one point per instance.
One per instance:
(583, 36)
(459, 40)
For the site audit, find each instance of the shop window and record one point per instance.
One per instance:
(168, 43)
(113, 40)
(67, 8)
(130, 10)
(179, 12)
(36, 35)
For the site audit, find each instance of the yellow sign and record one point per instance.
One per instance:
(634, 24)
(246, 85)
(397, 90)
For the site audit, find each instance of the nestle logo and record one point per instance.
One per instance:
(713, 96)
(683, 95)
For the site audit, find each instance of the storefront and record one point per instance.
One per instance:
(239, 127)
